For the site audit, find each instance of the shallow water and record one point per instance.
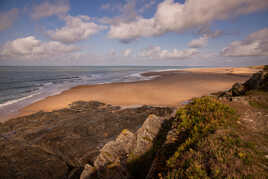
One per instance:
(21, 86)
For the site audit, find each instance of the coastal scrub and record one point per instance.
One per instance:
(208, 144)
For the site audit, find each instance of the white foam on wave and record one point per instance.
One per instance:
(18, 100)
(50, 88)
(172, 69)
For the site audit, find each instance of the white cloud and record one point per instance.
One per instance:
(157, 52)
(256, 44)
(173, 16)
(206, 35)
(7, 18)
(30, 48)
(199, 43)
(76, 29)
(46, 9)
(126, 52)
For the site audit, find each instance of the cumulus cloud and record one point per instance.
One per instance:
(30, 48)
(157, 52)
(206, 35)
(126, 52)
(7, 18)
(76, 29)
(256, 44)
(173, 16)
(46, 9)
(199, 43)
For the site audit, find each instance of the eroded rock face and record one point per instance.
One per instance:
(115, 154)
(58, 144)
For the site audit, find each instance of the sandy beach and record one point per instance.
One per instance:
(170, 88)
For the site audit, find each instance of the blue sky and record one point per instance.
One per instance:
(134, 32)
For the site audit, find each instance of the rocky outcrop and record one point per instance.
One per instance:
(115, 154)
(116, 150)
(58, 144)
(146, 135)
(238, 89)
(258, 81)
(88, 172)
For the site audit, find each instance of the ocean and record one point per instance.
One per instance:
(23, 85)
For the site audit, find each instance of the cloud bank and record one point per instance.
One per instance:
(76, 29)
(173, 16)
(256, 44)
(157, 52)
(30, 48)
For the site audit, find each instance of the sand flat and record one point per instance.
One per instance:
(170, 89)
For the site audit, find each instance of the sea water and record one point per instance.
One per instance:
(23, 85)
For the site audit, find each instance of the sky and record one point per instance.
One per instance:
(133, 32)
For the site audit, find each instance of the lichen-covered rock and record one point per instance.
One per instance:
(146, 134)
(111, 162)
(115, 170)
(115, 150)
(24, 161)
(58, 144)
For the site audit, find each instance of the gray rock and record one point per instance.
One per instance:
(111, 162)
(116, 170)
(115, 150)
(255, 81)
(258, 81)
(146, 134)
(58, 144)
(87, 172)
(238, 89)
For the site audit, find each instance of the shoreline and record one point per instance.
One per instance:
(158, 91)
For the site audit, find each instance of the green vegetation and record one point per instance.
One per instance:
(265, 68)
(208, 144)
(258, 99)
